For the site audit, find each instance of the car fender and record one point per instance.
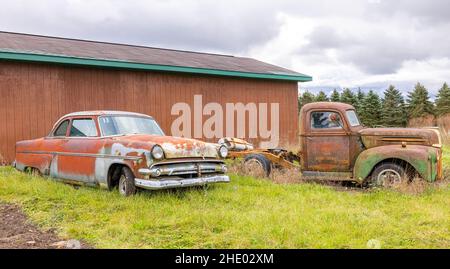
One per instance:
(419, 157)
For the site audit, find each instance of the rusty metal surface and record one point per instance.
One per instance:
(375, 137)
(25, 43)
(424, 159)
(89, 159)
(352, 152)
(328, 150)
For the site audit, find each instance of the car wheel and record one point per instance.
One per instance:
(257, 165)
(388, 174)
(126, 182)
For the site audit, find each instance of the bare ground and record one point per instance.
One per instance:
(18, 232)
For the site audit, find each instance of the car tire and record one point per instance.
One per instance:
(388, 174)
(126, 182)
(260, 160)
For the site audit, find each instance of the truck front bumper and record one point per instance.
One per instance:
(173, 183)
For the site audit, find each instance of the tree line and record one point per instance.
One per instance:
(391, 110)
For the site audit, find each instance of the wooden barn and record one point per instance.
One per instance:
(199, 95)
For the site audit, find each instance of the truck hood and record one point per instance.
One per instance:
(177, 147)
(375, 137)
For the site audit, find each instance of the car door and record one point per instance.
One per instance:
(76, 161)
(327, 142)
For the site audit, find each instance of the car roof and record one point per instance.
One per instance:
(103, 113)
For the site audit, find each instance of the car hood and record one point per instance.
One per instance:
(177, 147)
(374, 137)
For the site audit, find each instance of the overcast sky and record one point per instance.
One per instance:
(357, 43)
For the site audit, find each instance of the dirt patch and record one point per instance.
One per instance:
(17, 232)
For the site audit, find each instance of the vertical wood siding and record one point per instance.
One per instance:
(34, 96)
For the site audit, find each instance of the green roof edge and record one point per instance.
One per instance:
(69, 60)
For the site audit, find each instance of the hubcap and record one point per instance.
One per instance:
(389, 177)
(122, 185)
(255, 168)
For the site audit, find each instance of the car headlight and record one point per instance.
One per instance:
(223, 151)
(157, 152)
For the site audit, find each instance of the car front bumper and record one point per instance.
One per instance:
(173, 183)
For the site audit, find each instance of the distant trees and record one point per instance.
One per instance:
(370, 112)
(322, 97)
(359, 99)
(392, 110)
(305, 98)
(348, 97)
(443, 100)
(335, 96)
(418, 102)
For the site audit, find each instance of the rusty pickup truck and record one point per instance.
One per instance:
(335, 146)
(121, 149)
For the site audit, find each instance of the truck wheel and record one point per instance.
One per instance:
(388, 174)
(126, 182)
(257, 165)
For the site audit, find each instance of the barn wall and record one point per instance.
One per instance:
(34, 96)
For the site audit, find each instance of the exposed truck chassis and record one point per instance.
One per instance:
(334, 146)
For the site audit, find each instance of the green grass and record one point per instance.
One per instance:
(247, 213)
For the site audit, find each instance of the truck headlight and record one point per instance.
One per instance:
(157, 152)
(223, 151)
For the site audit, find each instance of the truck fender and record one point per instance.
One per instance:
(419, 157)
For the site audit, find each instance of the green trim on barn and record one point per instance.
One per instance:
(68, 60)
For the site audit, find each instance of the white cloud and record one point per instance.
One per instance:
(348, 43)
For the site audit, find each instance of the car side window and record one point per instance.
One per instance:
(83, 128)
(62, 129)
(326, 120)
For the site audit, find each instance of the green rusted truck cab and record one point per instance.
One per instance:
(334, 144)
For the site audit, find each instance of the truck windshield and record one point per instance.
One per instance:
(123, 125)
(352, 118)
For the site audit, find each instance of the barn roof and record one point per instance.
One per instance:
(34, 48)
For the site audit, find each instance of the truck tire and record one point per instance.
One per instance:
(388, 174)
(126, 182)
(260, 160)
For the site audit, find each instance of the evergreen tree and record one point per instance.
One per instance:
(305, 98)
(359, 99)
(393, 113)
(348, 97)
(443, 100)
(370, 113)
(335, 97)
(322, 97)
(419, 104)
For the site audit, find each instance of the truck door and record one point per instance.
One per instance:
(327, 142)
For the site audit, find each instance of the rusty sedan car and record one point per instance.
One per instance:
(121, 149)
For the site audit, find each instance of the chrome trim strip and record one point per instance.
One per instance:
(169, 161)
(166, 184)
(83, 155)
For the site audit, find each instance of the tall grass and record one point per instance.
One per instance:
(246, 213)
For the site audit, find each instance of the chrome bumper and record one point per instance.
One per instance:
(171, 183)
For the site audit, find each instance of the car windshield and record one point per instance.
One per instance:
(123, 125)
(352, 118)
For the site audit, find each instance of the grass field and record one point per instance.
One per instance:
(247, 213)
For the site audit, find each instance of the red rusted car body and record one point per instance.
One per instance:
(335, 146)
(129, 150)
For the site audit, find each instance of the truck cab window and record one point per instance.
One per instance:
(326, 120)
